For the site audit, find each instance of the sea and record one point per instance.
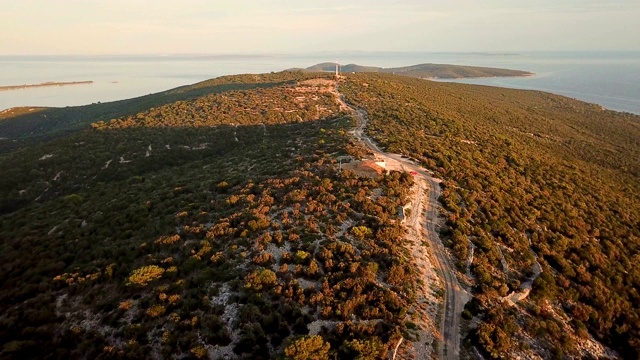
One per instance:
(610, 79)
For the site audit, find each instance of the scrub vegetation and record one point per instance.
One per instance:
(174, 232)
(529, 178)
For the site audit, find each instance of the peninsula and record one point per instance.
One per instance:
(49, 83)
(423, 71)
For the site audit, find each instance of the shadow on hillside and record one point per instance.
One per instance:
(112, 158)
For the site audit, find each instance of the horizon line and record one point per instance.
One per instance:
(280, 53)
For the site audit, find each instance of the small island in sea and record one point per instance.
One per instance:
(44, 84)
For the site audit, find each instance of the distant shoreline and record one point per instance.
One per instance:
(45, 84)
(444, 79)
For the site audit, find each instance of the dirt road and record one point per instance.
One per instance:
(455, 296)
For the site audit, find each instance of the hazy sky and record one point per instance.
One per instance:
(286, 26)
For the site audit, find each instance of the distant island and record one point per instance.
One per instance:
(425, 71)
(50, 83)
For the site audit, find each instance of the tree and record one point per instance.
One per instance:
(143, 275)
(310, 347)
(259, 279)
(361, 232)
(366, 349)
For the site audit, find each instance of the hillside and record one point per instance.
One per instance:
(237, 238)
(532, 181)
(425, 71)
(211, 221)
(19, 128)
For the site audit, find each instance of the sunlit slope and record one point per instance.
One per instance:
(22, 128)
(528, 175)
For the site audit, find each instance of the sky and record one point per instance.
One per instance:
(111, 27)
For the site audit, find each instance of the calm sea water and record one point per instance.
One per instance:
(611, 79)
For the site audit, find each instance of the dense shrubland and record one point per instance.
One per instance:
(196, 242)
(525, 174)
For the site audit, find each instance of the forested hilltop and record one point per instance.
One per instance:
(20, 127)
(532, 181)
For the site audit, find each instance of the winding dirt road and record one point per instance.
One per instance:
(455, 296)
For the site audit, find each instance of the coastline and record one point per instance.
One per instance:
(45, 84)
(585, 76)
